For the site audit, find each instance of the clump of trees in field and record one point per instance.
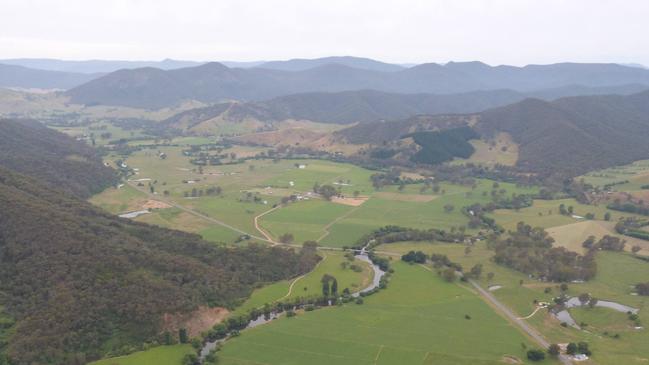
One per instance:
(632, 227)
(327, 191)
(530, 250)
(391, 234)
(606, 243)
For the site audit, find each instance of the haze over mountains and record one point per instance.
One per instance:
(214, 82)
(364, 106)
(155, 84)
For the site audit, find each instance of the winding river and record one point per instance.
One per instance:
(362, 256)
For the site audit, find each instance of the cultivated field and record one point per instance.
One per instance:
(309, 284)
(617, 273)
(420, 319)
(252, 188)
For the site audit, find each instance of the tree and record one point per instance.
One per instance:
(168, 340)
(642, 288)
(571, 349)
(334, 287)
(467, 251)
(325, 288)
(286, 238)
(182, 335)
(327, 191)
(562, 209)
(635, 249)
(449, 274)
(449, 208)
(554, 350)
(563, 287)
(536, 355)
(476, 271)
(414, 257)
(607, 216)
(490, 276)
(584, 298)
(356, 193)
(191, 359)
(582, 348)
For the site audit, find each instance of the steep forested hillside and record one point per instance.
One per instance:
(79, 283)
(567, 137)
(441, 146)
(376, 133)
(574, 135)
(366, 106)
(30, 148)
(214, 82)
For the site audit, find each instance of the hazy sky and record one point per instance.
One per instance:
(497, 31)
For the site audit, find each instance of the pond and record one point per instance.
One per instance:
(574, 302)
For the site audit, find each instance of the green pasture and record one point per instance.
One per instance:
(636, 173)
(161, 355)
(310, 284)
(420, 319)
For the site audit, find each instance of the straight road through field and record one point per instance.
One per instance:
(519, 322)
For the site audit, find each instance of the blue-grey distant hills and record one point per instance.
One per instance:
(301, 64)
(12, 76)
(95, 66)
(367, 106)
(215, 82)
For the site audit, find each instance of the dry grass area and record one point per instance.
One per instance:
(155, 204)
(175, 219)
(412, 175)
(200, 320)
(571, 236)
(385, 195)
(293, 136)
(351, 201)
(501, 150)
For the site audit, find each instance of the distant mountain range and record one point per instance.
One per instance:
(106, 66)
(12, 76)
(95, 66)
(370, 106)
(301, 64)
(215, 82)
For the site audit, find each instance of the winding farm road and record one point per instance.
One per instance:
(261, 230)
(200, 215)
(504, 310)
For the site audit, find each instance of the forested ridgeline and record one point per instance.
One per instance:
(79, 281)
(28, 147)
(574, 135)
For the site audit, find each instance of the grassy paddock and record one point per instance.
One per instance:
(419, 319)
(161, 355)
